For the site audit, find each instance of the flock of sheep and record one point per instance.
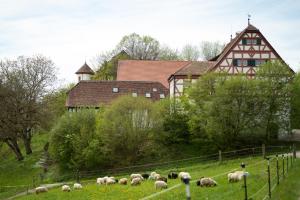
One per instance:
(160, 181)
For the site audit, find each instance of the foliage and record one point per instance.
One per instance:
(210, 50)
(127, 129)
(190, 53)
(167, 53)
(295, 102)
(74, 142)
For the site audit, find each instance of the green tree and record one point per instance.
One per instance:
(127, 128)
(190, 53)
(210, 50)
(295, 102)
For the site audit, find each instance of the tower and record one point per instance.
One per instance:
(84, 73)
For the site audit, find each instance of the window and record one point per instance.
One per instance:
(251, 63)
(154, 89)
(162, 96)
(148, 95)
(260, 62)
(258, 41)
(115, 89)
(79, 78)
(251, 41)
(235, 62)
(134, 94)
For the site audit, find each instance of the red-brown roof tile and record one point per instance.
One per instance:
(146, 70)
(195, 68)
(85, 69)
(95, 93)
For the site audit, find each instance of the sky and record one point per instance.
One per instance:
(70, 32)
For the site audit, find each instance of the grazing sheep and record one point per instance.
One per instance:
(145, 176)
(152, 176)
(110, 181)
(157, 176)
(136, 181)
(66, 188)
(132, 176)
(77, 186)
(160, 185)
(162, 179)
(172, 175)
(235, 176)
(123, 181)
(101, 181)
(41, 189)
(207, 182)
(184, 175)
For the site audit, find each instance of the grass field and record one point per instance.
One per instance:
(256, 184)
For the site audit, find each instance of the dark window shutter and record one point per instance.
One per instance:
(234, 62)
(244, 41)
(251, 63)
(258, 41)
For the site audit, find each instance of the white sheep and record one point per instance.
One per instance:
(110, 181)
(184, 175)
(123, 181)
(77, 186)
(160, 185)
(132, 176)
(157, 176)
(152, 176)
(207, 182)
(41, 189)
(136, 181)
(66, 188)
(235, 176)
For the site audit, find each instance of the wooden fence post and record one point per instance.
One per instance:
(263, 149)
(220, 156)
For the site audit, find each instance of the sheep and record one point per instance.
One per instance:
(152, 176)
(172, 175)
(110, 181)
(207, 182)
(136, 181)
(145, 176)
(160, 185)
(184, 175)
(157, 176)
(132, 176)
(100, 181)
(77, 186)
(162, 179)
(236, 176)
(123, 181)
(66, 188)
(41, 189)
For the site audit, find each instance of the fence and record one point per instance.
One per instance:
(279, 159)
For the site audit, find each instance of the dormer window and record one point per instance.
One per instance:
(115, 90)
(162, 96)
(148, 94)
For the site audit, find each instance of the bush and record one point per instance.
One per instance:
(75, 143)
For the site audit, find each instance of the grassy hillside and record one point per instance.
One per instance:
(15, 175)
(256, 183)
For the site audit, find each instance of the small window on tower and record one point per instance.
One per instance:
(79, 78)
(115, 89)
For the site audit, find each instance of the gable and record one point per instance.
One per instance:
(245, 53)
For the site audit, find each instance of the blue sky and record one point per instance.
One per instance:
(70, 31)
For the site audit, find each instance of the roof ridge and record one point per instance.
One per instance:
(154, 60)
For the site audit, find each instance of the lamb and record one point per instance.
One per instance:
(77, 186)
(123, 181)
(41, 189)
(66, 188)
(132, 176)
(184, 175)
(110, 181)
(163, 179)
(160, 185)
(235, 176)
(172, 175)
(136, 181)
(207, 182)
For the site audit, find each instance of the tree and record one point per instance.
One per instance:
(295, 102)
(127, 129)
(210, 50)
(30, 79)
(166, 53)
(139, 47)
(190, 53)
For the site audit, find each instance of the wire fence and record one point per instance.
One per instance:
(279, 160)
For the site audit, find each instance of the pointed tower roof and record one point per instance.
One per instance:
(85, 69)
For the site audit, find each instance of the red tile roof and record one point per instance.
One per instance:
(195, 68)
(85, 69)
(94, 93)
(146, 70)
